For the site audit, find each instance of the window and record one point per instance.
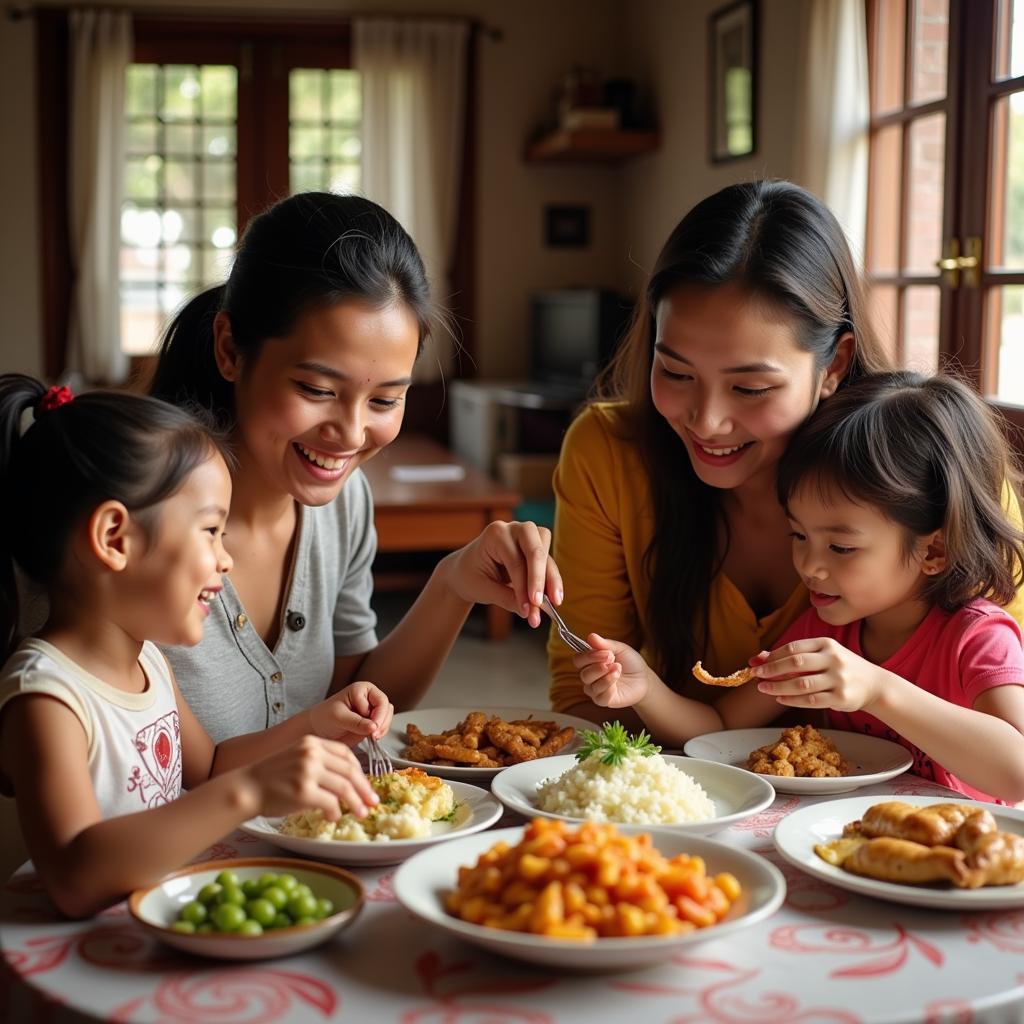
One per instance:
(945, 233)
(186, 171)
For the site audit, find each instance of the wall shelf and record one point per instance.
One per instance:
(591, 146)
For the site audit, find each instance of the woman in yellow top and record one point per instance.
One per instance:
(668, 533)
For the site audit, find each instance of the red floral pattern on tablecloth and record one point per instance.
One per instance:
(255, 995)
(219, 851)
(721, 1003)
(886, 957)
(1004, 929)
(384, 890)
(763, 823)
(466, 992)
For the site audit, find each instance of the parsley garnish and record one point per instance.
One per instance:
(613, 743)
(450, 816)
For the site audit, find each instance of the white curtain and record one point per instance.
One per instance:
(414, 85)
(832, 133)
(101, 49)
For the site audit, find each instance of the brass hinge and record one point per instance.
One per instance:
(953, 263)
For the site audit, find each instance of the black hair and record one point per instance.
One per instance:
(785, 247)
(929, 454)
(309, 250)
(102, 445)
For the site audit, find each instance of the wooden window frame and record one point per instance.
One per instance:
(262, 147)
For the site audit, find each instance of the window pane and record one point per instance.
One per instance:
(883, 248)
(931, 37)
(924, 194)
(1005, 318)
(325, 138)
(346, 97)
(1009, 48)
(180, 182)
(920, 328)
(883, 309)
(1006, 211)
(887, 74)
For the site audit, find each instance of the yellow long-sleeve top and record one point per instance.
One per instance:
(604, 519)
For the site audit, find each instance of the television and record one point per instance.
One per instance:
(573, 333)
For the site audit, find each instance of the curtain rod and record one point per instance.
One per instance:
(18, 12)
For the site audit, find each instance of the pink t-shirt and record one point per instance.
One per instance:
(954, 655)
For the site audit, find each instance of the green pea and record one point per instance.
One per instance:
(324, 908)
(261, 910)
(209, 893)
(267, 878)
(227, 878)
(277, 896)
(232, 894)
(185, 927)
(228, 917)
(251, 888)
(194, 912)
(301, 890)
(287, 882)
(250, 927)
(302, 905)
(281, 920)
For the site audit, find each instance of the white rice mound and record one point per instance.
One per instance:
(639, 791)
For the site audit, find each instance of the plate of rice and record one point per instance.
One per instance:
(635, 788)
(416, 810)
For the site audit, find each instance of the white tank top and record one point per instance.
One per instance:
(133, 739)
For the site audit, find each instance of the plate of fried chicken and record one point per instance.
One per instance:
(953, 854)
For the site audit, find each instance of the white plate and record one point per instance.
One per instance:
(736, 794)
(422, 882)
(871, 758)
(476, 810)
(156, 907)
(797, 833)
(434, 720)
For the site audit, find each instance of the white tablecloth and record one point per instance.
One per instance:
(827, 957)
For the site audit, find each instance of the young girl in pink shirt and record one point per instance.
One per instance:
(893, 490)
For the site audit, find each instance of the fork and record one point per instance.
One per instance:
(577, 643)
(378, 762)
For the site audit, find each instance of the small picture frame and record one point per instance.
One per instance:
(732, 86)
(567, 227)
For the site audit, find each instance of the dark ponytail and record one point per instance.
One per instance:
(311, 249)
(96, 447)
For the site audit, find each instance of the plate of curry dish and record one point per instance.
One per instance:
(954, 854)
(803, 759)
(477, 743)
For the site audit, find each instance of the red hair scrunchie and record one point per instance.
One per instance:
(54, 398)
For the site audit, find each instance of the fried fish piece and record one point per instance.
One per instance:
(997, 856)
(737, 678)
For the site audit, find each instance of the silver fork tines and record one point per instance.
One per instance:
(577, 643)
(378, 762)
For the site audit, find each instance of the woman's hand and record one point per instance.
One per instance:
(613, 674)
(313, 774)
(350, 715)
(819, 673)
(508, 565)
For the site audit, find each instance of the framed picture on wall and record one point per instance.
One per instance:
(732, 88)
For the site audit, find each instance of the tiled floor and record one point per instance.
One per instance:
(480, 672)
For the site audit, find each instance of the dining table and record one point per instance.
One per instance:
(827, 956)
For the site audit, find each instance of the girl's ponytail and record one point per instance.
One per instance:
(18, 394)
(186, 370)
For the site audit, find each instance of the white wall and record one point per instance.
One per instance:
(661, 43)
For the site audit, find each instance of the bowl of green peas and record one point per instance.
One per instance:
(249, 909)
